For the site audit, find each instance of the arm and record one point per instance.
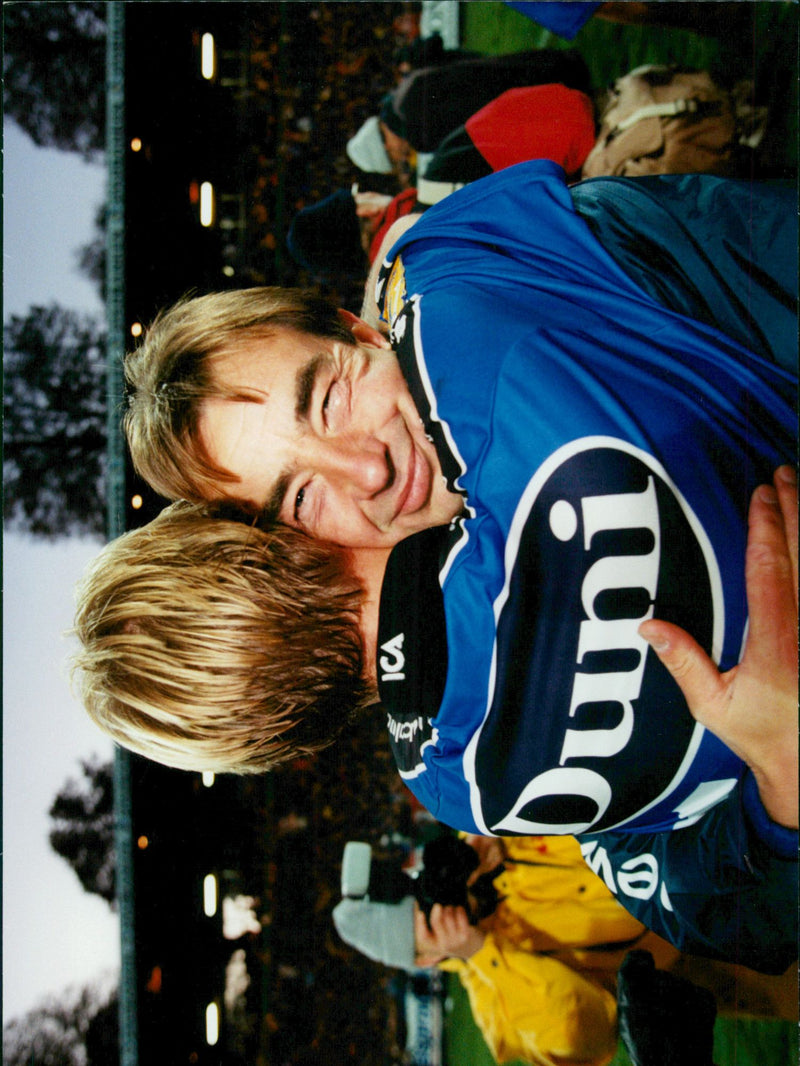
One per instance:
(753, 707)
(526, 1005)
(490, 851)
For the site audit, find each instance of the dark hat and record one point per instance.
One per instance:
(326, 238)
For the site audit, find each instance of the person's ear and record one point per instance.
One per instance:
(362, 331)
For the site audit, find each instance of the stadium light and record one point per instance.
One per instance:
(208, 778)
(209, 895)
(206, 203)
(212, 1024)
(208, 57)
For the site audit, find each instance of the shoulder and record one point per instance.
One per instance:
(369, 309)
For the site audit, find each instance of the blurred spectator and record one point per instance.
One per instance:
(675, 120)
(539, 968)
(431, 103)
(343, 233)
(539, 122)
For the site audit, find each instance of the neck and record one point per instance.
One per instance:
(369, 565)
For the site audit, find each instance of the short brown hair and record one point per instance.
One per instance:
(208, 644)
(171, 373)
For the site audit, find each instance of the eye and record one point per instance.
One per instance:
(334, 404)
(298, 503)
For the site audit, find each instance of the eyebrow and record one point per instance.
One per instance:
(305, 383)
(272, 508)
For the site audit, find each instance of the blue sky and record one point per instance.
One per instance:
(54, 934)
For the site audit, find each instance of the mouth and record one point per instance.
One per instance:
(415, 491)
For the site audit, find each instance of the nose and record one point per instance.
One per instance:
(362, 466)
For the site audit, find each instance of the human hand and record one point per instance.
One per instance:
(370, 204)
(449, 933)
(490, 851)
(753, 707)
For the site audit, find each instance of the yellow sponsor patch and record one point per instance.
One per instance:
(396, 295)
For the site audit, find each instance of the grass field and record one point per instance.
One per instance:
(738, 1041)
(611, 50)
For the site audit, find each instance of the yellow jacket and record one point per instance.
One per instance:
(542, 986)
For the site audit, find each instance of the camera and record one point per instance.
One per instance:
(448, 863)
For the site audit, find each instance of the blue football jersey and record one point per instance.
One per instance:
(606, 446)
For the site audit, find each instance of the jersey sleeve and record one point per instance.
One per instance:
(719, 888)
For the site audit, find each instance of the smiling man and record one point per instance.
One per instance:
(333, 444)
(271, 398)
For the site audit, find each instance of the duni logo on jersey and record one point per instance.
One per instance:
(393, 661)
(626, 546)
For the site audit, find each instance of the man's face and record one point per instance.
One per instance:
(397, 148)
(336, 447)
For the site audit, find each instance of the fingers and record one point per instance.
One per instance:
(490, 855)
(424, 937)
(771, 560)
(704, 689)
(448, 922)
(452, 932)
(786, 487)
(771, 653)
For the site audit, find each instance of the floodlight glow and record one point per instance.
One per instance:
(206, 203)
(136, 502)
(207, 56)
(208, 778)
(137, 329)
(209, 895)
(212, 1024)
(136, 144)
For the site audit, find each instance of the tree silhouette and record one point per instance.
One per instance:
(54, 430)
(83, 830)
(79, 1029)
(54, 73)
(102, 1035)
(91, 257)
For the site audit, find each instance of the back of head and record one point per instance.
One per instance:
(171, 373)
(208, 644)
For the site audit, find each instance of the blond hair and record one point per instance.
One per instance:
(208, 644)
(172, 372)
